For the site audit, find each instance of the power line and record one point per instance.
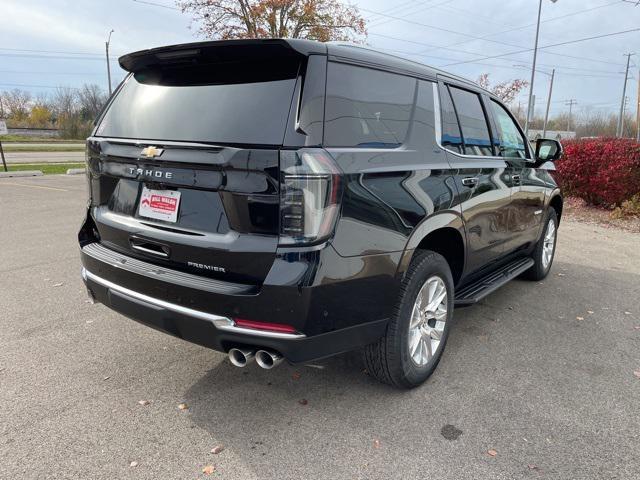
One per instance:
(169, 7)
(476, 53)
(550, 45)
(522, 27)
(475, 37)
(24, 72)
(380, 21)
(47, 51)
(53, 57)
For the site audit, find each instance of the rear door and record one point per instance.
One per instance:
(185, 163)
(481, 177)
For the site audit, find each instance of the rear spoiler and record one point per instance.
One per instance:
(220, 51)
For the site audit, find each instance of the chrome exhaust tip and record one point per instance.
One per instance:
(240, 357)
(268, 359)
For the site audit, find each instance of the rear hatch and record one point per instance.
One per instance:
(184, 163)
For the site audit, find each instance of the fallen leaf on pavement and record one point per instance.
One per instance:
(376, 443)
(637, 327)
(637, 373)
(590, 311)
(303, 401)
(144, 402)
(492, 452)
(561, 274)
(217, 449)
(627, 313)
(133, 464)
(58, 284)
(106, 378)
(533, 467)
(183, 406)
(579, 318)
(208, 470)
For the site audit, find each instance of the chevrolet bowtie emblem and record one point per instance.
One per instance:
(151, 152)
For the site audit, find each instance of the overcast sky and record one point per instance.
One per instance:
(48, 43)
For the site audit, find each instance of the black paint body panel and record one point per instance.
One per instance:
(341, 292)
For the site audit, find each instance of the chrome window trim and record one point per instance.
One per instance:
(221, 323)
(438, 125)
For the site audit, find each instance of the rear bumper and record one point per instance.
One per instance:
(326, 316)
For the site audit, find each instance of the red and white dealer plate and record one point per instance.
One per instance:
(159, 204)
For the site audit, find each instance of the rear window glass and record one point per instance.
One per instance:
(451, 136)
(366, 107)
(475, 131)
(203, 105)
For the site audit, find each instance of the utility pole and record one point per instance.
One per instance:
(106, 45)
(546, 115)
(533, 67)
(571, 103)
(624, 92)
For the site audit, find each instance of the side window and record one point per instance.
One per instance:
(473, 122)
(366, 107)
(510, 141)
(451, 136)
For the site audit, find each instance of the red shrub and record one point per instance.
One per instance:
(602, 171)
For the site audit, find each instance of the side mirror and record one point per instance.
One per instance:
(548, 150)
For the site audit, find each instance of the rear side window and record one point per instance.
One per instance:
(229, 103)
(476, 138)
(366, 107)
(510, 141)
(451, 136)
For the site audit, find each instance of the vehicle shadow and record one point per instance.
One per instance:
(294, 413)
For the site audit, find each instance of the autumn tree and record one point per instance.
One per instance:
(506, 91)
(321, 20)
(15, 105)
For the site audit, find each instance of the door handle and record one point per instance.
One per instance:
(470, 181)
(515, 178)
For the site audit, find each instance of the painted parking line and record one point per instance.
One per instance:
(34, 186)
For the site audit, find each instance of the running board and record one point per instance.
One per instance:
(476, 291)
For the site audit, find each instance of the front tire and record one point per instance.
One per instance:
(545, 249)
(417, 333)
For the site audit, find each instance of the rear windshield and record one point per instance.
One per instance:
(237, 103)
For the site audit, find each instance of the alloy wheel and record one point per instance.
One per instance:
(549, 244)
(428, 319)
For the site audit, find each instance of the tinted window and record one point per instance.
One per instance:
(451, 136)
(473, 123)
(231, 105)
(510, 141)
(367, 108)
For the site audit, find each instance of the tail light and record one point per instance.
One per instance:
(310, 193)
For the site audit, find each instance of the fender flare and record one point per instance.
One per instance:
(438, 221)
(555, 193)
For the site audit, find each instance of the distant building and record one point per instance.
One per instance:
(553, 134)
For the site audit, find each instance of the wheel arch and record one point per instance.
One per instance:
(556, 202)
(442, 233)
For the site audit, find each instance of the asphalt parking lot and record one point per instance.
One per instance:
(542, 374)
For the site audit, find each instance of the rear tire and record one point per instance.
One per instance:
(545, 250)
(417, 333)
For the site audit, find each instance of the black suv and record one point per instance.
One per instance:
(288, 199)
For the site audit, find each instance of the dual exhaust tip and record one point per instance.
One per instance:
(267, 359)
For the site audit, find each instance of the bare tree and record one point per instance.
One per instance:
(321, 20)
(91, 98)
